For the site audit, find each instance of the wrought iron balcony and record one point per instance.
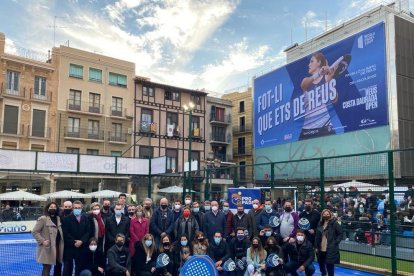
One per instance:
(36, 132)
(84, 133)
(85, 107)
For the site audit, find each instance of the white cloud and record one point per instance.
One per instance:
(10, 47)
(312, 20)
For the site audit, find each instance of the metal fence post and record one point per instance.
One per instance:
(272, 176)
(149, 180)
(392, 212)
(235, 181)
(322, 182)
(207, 185)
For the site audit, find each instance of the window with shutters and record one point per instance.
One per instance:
(76, 71)
(95, 75)
(39, 121)
(40, 87)
(13, 83)
(117, 79)
(11, 119)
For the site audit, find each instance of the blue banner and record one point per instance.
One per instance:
(243, 196)
(338, 89)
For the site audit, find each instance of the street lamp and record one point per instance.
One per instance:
(188, 108)
(210, 166)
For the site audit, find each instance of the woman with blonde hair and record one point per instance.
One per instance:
(200, 244)
(49, 238)
(145, 257)
(98, 224)
(138, 227)
(256, 258)
(166, 248)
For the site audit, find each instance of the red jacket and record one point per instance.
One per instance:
(137, 231)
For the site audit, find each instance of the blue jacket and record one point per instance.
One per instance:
(162, 222)
(264, 218)
(213, 223)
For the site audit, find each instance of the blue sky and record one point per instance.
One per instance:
(216, 45)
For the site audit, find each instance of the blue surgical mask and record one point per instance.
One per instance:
(77, 212)
(268, 233)
(207, 208)
(196, 210)
(148, 243)
(225, 208)
(217, 240)
(118, 213)
(268, 207)
(184, 243)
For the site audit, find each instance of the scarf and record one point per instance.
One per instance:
(101, 226)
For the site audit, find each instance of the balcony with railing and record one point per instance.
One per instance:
(119, 112)
(220, 120)
(219, 138)
(38, 132)
(117, 137)
(11, 129)
(13, 92)
(242, 129)
(84, 133)
(85, 107)
(37, 96)
(147, 127)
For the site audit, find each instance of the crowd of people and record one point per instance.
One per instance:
(120, 239)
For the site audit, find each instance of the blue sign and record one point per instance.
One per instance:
(338, 89)
(243, 196)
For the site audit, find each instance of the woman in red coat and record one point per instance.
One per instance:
(139, 226)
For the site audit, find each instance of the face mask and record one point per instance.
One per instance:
(52, 212)
(268, 233)
(184, 243)
(77, 212)
(349, 214)
(268, 207)
(361, 209)
(196, 210)
(255, 245)
(118, 213)
(201, 239)
(207, 207)
(225, 209)
(369, 195)
(131, 214)
(67, 211)
(139, 214)
(187, 201)
(148, 243)
(288, 209)
(119, 243)
(217, 240)
(147, 207)
(177, 207)
(240, 212)
(240, 237)
(186, 214)
(93, 248)
(308, 208)
(326, 217)
(164, 206)
(166, 244)
(106, 207)
(300, 238)
(255, 206)
(96, 212)
(271, 245)
(214, 208)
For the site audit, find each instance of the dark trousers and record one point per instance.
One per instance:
(323, 266)
(292, 266)
(57, 271)
(68, 267)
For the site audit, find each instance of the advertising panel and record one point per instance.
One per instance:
(17, 160)
(57, 162)
(96, 164)
(335, 90)
(14, 227)
(243, 196)
(133, 166)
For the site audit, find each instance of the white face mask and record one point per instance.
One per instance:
(177, 206)
(187, 201)
(300, 238)
(93, 247)
(214, 208)
(255, 206)
(96, 212)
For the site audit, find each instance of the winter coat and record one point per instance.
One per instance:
(137, 231)
(112, 229)
(314, 217)
(244, 222)
(74, 230)
(162, 222)
(45, 229)
(264, 218)
(334, 237)
(179, 228)
(214, 223)
(303, 254)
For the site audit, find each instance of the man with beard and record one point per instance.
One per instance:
(313, 216)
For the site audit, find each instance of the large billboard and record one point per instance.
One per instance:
(338, 89)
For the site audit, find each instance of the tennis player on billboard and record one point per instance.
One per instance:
(318, 120)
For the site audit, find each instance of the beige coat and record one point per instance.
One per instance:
(45, 229)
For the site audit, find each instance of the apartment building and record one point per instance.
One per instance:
(28, 94)
(94, 111)
(163, 128)
(242, 123)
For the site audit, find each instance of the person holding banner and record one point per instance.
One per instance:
(256, 258)
(317, 119)
(301, 255)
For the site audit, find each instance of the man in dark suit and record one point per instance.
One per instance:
(76, 235)
(117, 224)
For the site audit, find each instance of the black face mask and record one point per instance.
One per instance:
(131, 214)
(288, 209)
(200, 239)
(67, 211)
(106, 207)
(308, 208)
(52, 212)
(255, 245)
(164, 206)
(166, 244)
(119, 243)
(147, 207)
(240, 212)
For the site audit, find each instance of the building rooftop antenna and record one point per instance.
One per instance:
(54, 26)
